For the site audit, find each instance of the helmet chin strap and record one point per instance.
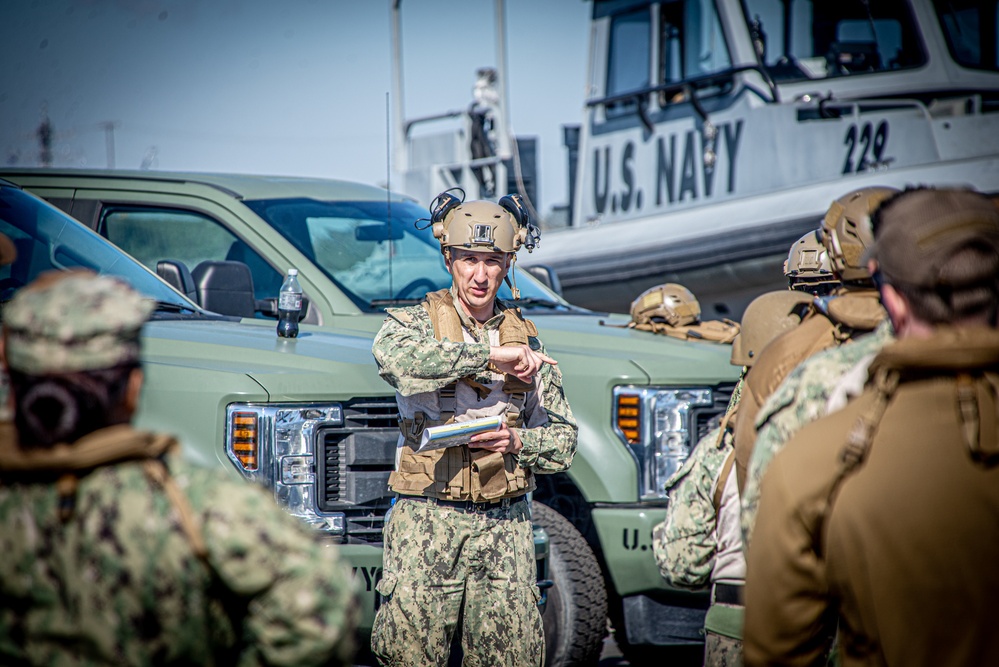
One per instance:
(511, 278)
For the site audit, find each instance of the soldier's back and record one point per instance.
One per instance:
(119, 582)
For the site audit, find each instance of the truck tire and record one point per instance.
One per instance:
(575, 618)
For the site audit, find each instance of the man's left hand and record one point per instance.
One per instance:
(505, 441)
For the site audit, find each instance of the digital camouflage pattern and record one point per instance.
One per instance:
(442, 566)
(722, 651)
(413, 361)
(684, 544)
(800, 400)
(89, 322)
(439, 565)
(119, 583)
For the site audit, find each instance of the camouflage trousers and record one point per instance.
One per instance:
(722, 651)
(447, 571)
(722, 635)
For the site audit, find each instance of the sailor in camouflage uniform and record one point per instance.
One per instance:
(850, 311)
(801, 397)
(699, 541)
(116, 551)
(458, 546)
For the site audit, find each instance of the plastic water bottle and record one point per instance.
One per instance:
(289, 305)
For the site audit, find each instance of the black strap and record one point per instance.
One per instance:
(728, 594)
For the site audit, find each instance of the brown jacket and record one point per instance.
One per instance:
(893, 527)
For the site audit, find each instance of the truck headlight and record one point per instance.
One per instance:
(273, 444)
(658, 426)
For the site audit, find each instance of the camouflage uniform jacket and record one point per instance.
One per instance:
(119, 583)
(418, 365)
(800, 400)
(699, 542)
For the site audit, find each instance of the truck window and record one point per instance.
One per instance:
(971, 28)
(818, 39)
(154, 234)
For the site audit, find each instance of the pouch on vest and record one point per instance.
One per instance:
(461, 473)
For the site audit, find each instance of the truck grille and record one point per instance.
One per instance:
(353, 463)
(703, 420)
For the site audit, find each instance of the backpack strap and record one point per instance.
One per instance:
(158, 473)
(859, 440)
(726, 470)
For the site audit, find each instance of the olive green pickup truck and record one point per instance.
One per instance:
(641, 400)
(215, 382)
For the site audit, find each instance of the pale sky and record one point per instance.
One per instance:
(288, 87)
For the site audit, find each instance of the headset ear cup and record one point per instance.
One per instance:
(443, 204)
(439, 233)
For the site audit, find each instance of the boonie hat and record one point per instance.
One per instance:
(65, 322)
(922, 229)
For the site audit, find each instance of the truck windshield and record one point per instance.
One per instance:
(819, 39)
(47, 239)
(373, 251)
(971, 27)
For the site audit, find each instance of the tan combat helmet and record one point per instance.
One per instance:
(669, 303)
(807, 266)
(483, 226)
(766, 317)
(846, 231)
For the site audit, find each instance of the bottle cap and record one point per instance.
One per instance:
(292, 272)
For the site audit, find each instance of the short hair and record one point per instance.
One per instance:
(52, 409)
(975, 269)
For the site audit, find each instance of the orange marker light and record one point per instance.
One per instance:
(245, 440)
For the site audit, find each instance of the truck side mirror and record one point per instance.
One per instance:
(225, 287)
(178, 276)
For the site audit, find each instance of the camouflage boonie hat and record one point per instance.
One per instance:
(74, 321)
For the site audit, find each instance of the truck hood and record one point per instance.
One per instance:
(318, 365)
(598, 345)
(663, 360)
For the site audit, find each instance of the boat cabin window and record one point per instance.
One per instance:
(688, 42)
(630, 52)
(970, 27)
(818, 39)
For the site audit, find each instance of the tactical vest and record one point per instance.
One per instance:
(462, 473)
(713, 331)
(66, 463)
(830, 321)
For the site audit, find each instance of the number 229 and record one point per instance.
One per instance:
(872, 143)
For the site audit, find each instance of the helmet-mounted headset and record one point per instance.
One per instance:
(482, 226)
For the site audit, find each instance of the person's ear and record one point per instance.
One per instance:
(897, 306)
(133, 390)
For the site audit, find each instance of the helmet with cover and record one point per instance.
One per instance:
(807, 266)
(766, 317)
(846, 231)
(670, 303)
(483, 226)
